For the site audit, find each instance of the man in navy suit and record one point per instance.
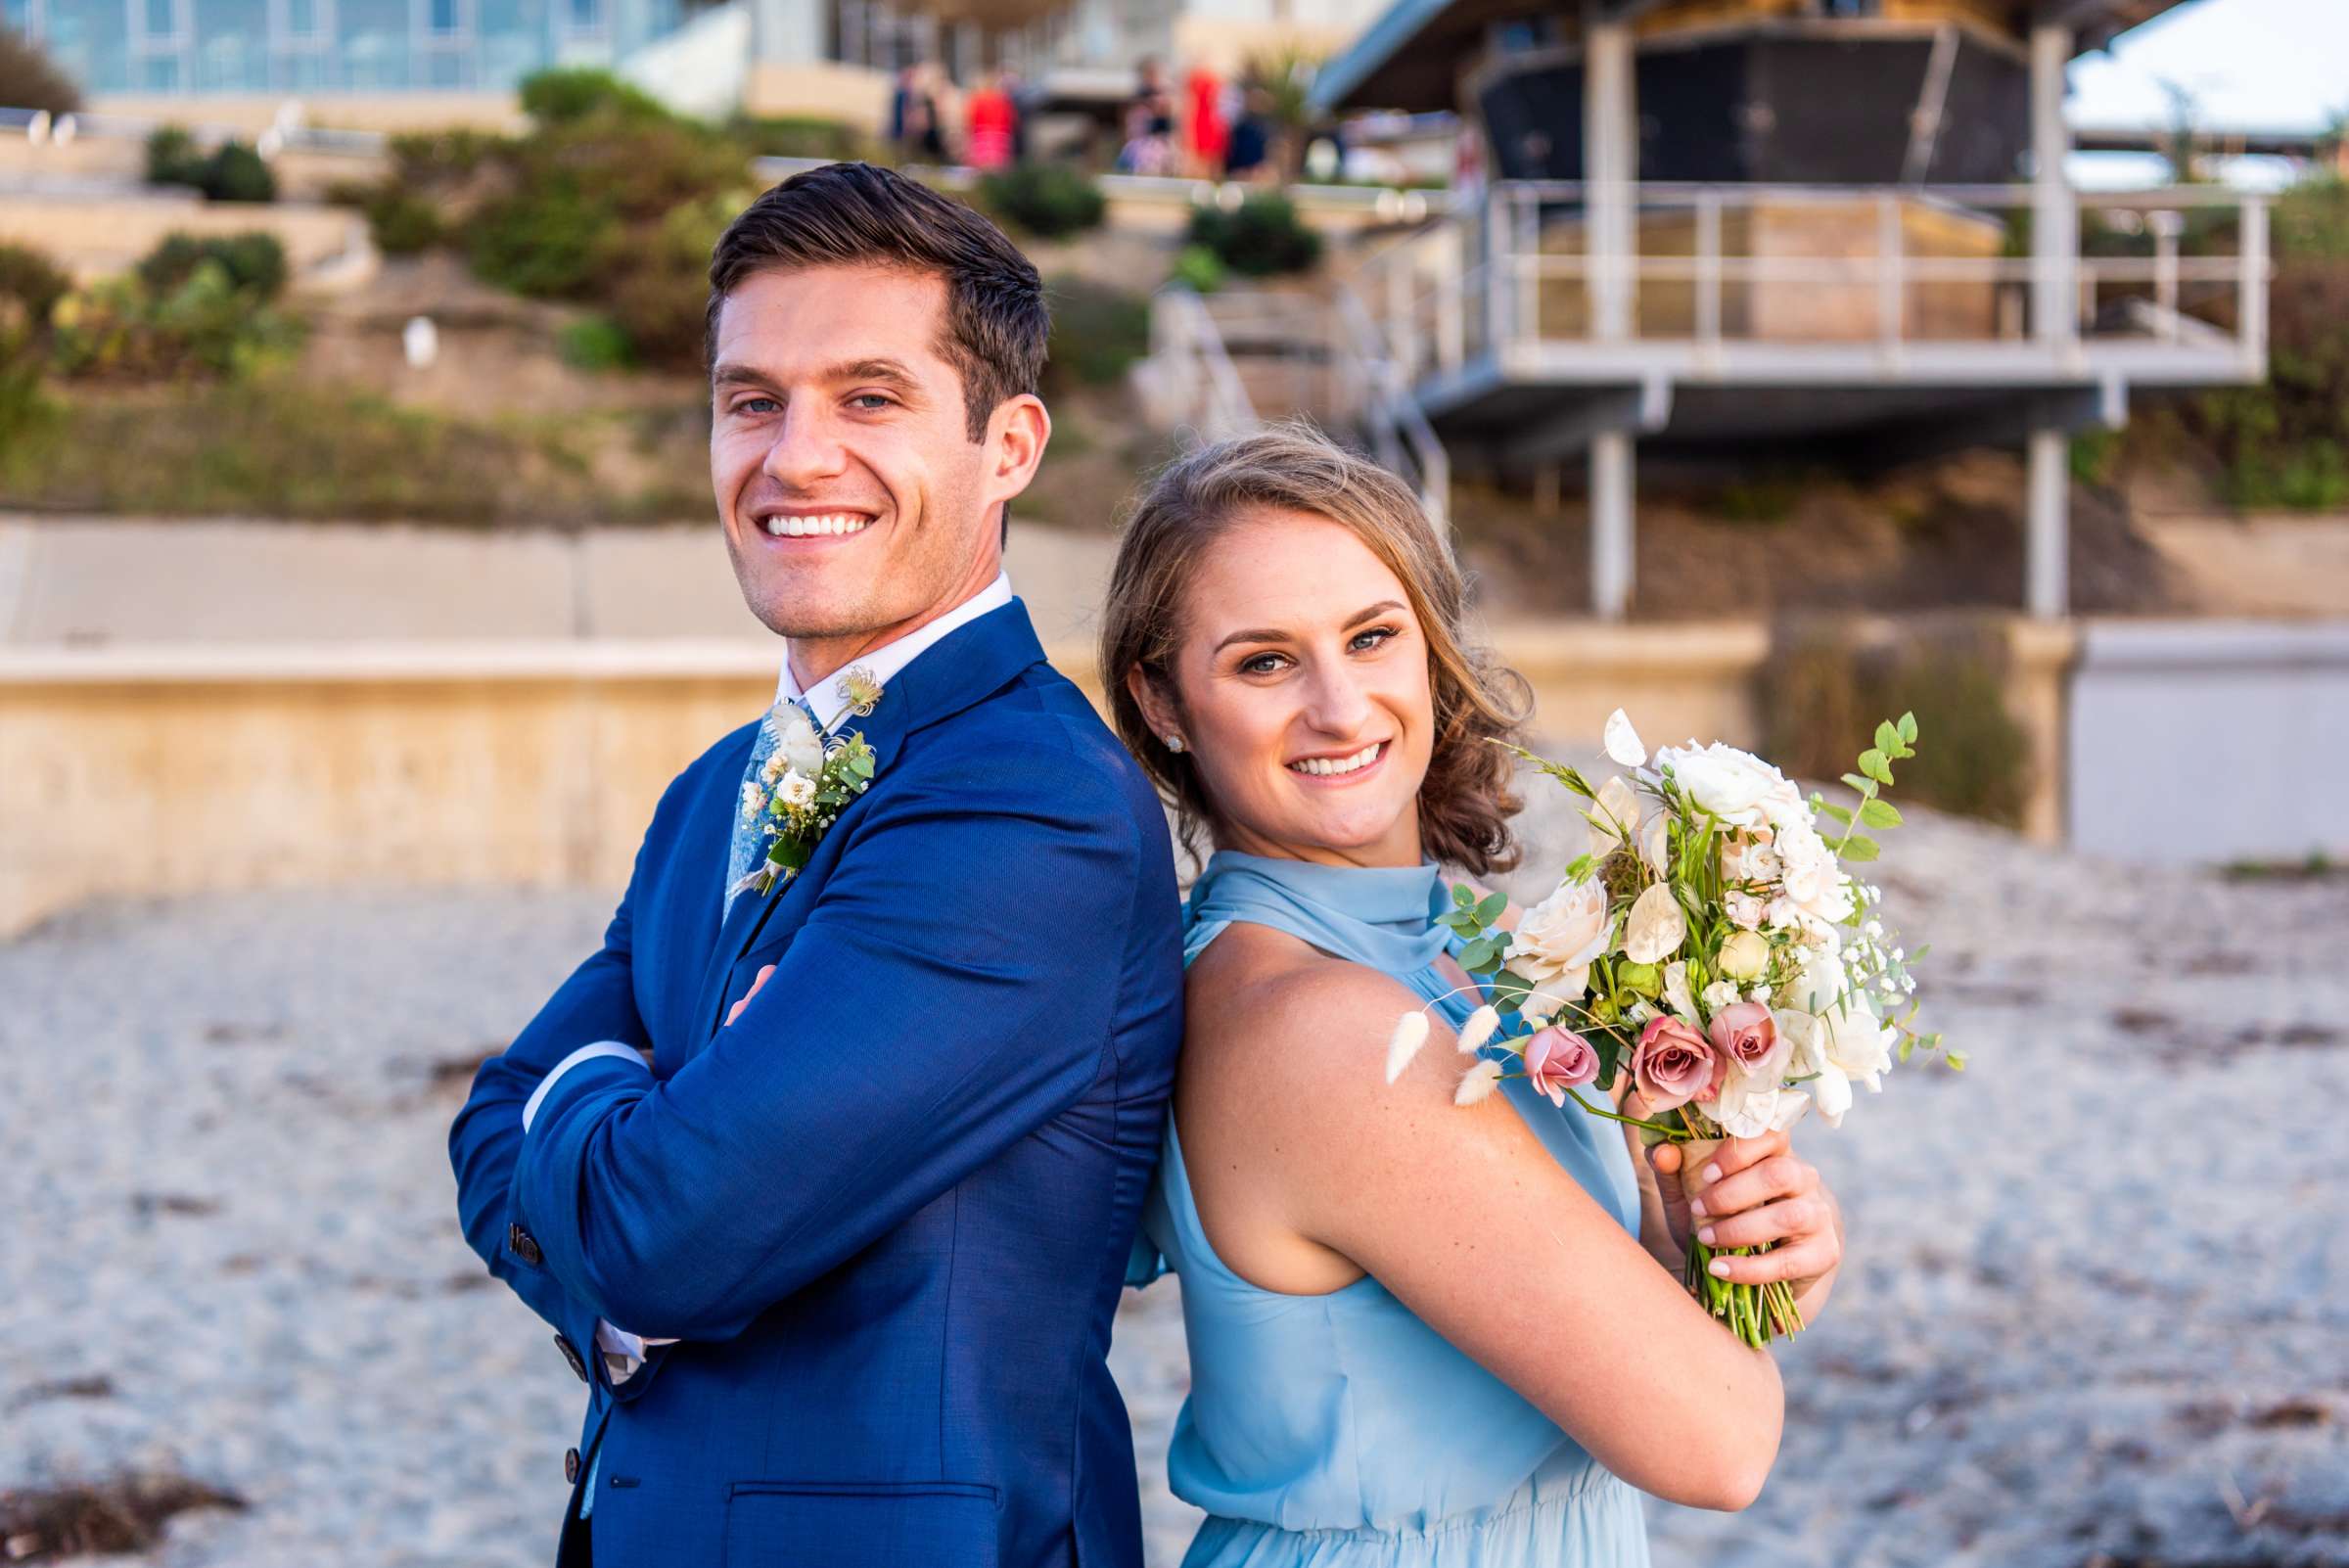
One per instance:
(839, 1265)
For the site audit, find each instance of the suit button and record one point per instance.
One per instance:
(570, 1465)
(570, 1354)
(524, 1245)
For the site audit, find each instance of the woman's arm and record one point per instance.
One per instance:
(1468, 1219)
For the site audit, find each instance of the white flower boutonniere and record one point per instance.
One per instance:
(809, 782)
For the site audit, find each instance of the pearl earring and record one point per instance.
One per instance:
(1173, 741)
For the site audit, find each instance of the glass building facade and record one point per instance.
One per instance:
(328, 46)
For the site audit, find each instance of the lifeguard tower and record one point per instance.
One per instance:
(1784, 228)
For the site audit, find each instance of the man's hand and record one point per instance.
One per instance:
(735, 1011)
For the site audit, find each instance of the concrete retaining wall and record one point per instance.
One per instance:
(2211, 741)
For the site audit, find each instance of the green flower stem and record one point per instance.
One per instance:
(1676, 1134)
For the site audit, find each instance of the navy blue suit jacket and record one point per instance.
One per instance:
(888, 1211)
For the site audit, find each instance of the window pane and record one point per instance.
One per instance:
(301, 17)
(444, 16)
(158, 14)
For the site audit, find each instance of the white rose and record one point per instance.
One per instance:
(796, 790)
(1614, 816)
(798, 744)
(1834, 1093)
(1746, 911)
(1854, 1041)
(1655, 928)
(1564, 931)
(1722, 779)
(1752, 1104)
(1623, 742)
(1782, 803)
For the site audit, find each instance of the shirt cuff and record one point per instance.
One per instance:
(623, 1351)
(586, 1053)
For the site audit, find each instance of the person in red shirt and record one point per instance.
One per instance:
(990, 121)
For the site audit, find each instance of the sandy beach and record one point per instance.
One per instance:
(2094, 1314)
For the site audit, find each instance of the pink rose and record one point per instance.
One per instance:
(1557, 1060)
(1673, 1065)
(1746, 1034)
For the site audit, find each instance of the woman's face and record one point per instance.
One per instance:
(1303, 675)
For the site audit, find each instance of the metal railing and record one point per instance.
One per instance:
(1363, 375)
(1730, 272)
(1189, 382)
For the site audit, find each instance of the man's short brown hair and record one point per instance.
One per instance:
(854, 214)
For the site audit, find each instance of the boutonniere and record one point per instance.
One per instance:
(804, 786)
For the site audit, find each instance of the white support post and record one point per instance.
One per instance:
(2054, 215)
(1451, 329)
(2046, 551)
(1889, 282)
(1500, 270)
(1611, 539)
(2166, 227)
(1528, 208)
(1708, 270)
(1610, 167)
(2253, 304)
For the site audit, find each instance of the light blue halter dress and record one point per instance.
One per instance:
(1340, 1431)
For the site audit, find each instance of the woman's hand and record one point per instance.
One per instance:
(1752, 1192)
(735, 1011)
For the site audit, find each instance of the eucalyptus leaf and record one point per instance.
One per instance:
(1831, 809)
(1491, 908)
(1888, 739)
(1906, 729)
(1858, 848)
(1873, 764)
(1879, 813)
(1863, 785)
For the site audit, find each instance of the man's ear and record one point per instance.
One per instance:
(1015, 433)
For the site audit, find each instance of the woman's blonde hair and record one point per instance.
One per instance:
(1464, 800)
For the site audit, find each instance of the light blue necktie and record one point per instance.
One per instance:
(748, 843)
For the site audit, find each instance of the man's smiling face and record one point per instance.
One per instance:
(856, 502)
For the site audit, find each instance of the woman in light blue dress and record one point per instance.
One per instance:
(1421, 1336)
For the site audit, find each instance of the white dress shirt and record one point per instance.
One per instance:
(830, 702)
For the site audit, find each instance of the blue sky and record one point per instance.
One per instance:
(2264, 65)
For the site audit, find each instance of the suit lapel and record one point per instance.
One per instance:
(959, 669)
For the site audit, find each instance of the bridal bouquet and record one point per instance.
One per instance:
(1708, 943)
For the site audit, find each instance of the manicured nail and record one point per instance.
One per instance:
(1696, 1206)
(1720, 1268)
(1711, 1173)
(1706, 1236)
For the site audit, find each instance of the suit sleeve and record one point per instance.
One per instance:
(596, 1004)
(950, 991)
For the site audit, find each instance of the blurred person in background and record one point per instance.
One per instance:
(992, 122)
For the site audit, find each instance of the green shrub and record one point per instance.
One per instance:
(1050, 200)
(230, 172)
(546, 241)
(400, 222)
(204, 325)
(30, 80)
(1821, 692)
(1262, 236)
(32, 283)
(235, 172)
(254, 261)
(2286, 444)
(443, 157)
(1097, 331)
(566, 94)
(659, 290)
(1198, 269)
(593, 343)
(801, 136)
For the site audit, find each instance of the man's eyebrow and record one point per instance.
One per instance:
(728, 373)
(888, 370)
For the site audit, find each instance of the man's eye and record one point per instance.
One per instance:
(872, 401)
(756, 405)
